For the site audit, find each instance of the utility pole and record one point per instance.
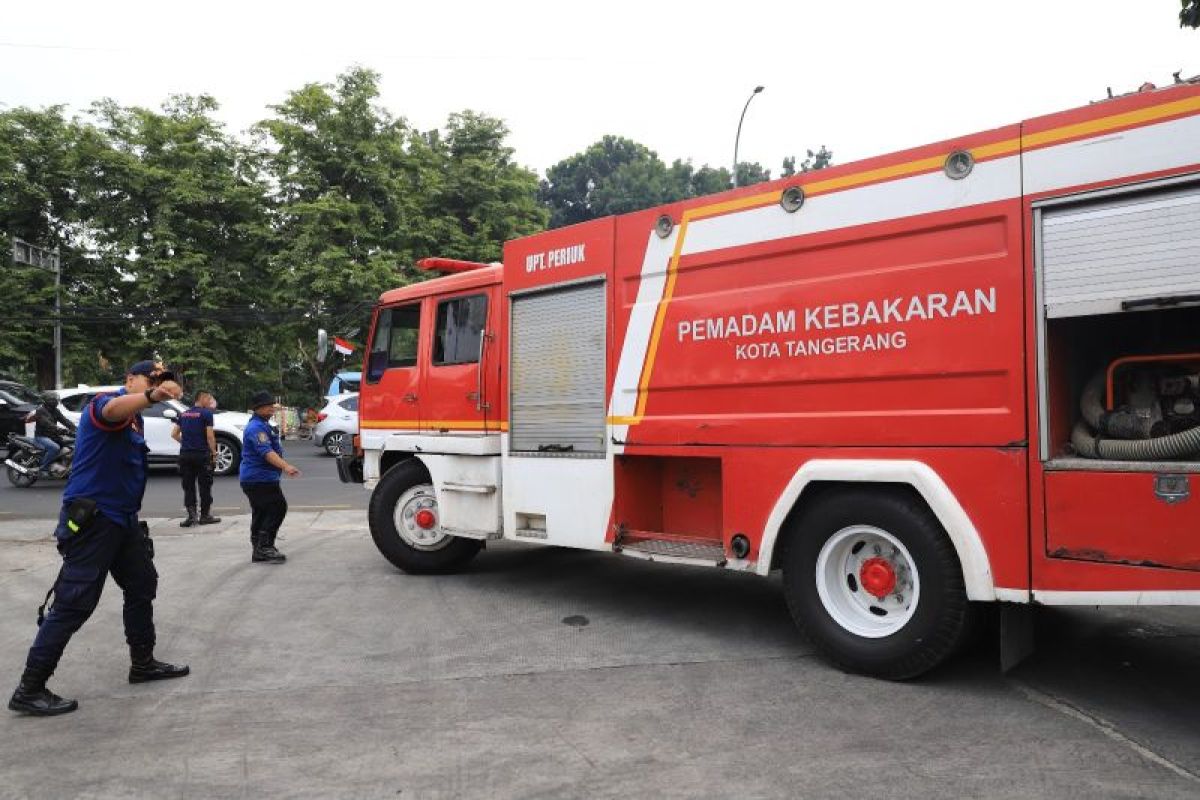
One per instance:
(48, 261)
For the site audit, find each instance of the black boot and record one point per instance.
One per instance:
(207, 519)
(261, 553)
(145, 668)
(270, 545)
(190, 520)
(32, 696)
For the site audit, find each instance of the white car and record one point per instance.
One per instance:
(160, 418)
(337, 422)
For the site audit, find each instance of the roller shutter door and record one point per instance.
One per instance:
(1099, 256)
(558, 371)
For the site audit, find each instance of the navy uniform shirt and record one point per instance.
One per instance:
(193, 425)
(258, 439)
(110, 462)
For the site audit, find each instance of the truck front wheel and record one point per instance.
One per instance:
(406, 525)
(874, 582)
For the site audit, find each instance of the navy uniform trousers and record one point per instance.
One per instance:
(88, 557)
(268, 507)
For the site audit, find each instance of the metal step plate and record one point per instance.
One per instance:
(707, 555)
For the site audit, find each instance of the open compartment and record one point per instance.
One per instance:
(1118, 278)
(1122, 388)
(668, 498)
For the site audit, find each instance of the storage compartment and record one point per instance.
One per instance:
(1138, 373)
(1119, 294)
(668, 497)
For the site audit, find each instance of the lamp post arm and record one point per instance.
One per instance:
(737, 139)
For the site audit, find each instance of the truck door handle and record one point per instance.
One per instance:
(410, 398)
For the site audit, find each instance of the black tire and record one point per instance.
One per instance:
(235, 461)
(450, 555)
(19, 480)
(939, 623)
(331, 442)
(30, 462)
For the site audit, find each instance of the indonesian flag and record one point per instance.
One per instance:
(342, 346)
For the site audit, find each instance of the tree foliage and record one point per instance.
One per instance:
(223, 254)
(1189, 14)
(617, 175)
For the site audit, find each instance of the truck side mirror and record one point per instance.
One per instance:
(322, 345)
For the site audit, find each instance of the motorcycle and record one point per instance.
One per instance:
(25, 455)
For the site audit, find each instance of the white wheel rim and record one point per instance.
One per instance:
(224, 457)
(840, 580)
(415, 500)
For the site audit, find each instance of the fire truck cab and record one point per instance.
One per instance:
(963, 373)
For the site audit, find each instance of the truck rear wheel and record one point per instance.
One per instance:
(405, 524)
(874, 582)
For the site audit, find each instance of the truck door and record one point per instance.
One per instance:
(391, 395)
(460, 377)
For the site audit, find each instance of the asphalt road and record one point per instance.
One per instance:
(547, 672)
(554, 673)
(317, 489)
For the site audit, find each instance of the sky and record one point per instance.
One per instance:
(861, 78)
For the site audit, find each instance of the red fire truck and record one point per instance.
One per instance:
(961, 374)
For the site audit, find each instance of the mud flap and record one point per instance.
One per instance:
(1016, 634)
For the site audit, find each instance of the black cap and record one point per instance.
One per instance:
(261, 399)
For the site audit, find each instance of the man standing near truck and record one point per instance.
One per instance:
(197, 454)
(262, 464)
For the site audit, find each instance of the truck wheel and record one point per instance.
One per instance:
(404, 523)
(873, 581)
(229, 457)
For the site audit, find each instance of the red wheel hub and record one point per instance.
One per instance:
(425, 518)
(877, 577)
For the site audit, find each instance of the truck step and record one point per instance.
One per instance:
(674, 552)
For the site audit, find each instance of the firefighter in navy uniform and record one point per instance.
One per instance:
(262, 464)
(98, 532)
(197, 456)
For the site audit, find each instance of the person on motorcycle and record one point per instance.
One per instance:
(49, 423)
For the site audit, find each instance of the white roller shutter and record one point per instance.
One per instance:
(1099, 255)
(558, 368)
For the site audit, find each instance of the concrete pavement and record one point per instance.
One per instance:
(541, 672)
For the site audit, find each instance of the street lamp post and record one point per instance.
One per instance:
(737, 139)
(49, 261)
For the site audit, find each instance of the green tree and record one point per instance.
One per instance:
(588, 185)
(360, 196)
(475, 197)
(346, 200)
(38, 204)
(617, 175)
(1189, 13)
(179, 235)
(813, 161)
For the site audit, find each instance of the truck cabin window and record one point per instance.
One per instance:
(459, 326)
(397, 332)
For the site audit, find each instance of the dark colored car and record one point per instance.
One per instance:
(17, 402)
